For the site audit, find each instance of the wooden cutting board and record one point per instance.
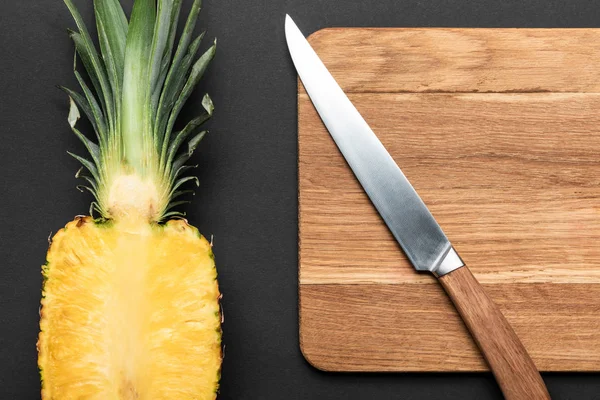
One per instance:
(499, 132)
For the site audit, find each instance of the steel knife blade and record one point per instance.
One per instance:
(405, 214)
(413, 225)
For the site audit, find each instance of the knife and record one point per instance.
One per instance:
(413, 226)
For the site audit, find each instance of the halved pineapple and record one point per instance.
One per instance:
(130, 306)
(129, 312)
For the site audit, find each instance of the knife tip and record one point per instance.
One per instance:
(288, 20)
(289, 23)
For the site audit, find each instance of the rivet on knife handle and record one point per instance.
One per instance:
(413, 226)
(505, 354)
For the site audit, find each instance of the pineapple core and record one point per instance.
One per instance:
(131, 197)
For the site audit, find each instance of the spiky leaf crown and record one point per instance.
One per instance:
(139, 89)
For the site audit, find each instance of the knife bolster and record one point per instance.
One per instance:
(449, 263)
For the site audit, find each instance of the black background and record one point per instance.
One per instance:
(248, 195)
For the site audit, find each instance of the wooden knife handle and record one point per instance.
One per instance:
(508, 359)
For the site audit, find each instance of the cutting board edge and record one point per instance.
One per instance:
(310, 351)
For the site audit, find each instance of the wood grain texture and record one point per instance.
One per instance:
(506, 356)
(461, 60)
(498, 130)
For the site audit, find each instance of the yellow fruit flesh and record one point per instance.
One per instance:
(129, 311)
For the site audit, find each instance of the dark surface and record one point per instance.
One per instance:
(248, 194)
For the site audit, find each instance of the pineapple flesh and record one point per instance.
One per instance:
(130, 301)
(130, 312)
